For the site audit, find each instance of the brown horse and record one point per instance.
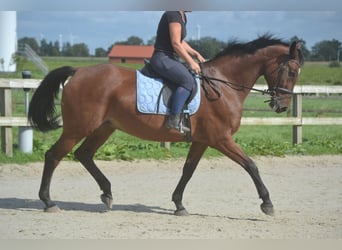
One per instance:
(98, 100)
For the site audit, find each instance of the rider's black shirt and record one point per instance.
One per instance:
(163, 41)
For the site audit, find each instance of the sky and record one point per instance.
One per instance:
(104, 23)
(103, 28)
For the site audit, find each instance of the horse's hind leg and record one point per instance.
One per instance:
(194, 155)
(85, 154)
(52, 158)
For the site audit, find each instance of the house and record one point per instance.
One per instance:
(130, 53)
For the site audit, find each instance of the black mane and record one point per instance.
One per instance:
(238, 48)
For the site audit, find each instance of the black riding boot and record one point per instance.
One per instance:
(174, 122)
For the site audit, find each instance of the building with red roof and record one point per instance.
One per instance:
(130, 53)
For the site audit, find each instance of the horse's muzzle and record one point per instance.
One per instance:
(278, 105)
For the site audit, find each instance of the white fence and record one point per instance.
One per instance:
(7, 121)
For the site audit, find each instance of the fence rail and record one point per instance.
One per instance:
(7, 121)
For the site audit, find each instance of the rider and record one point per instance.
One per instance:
(169, 48)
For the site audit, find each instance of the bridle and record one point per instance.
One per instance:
(281, 70)
(211, 82)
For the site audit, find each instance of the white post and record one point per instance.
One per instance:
(8, 40)
(25, 133)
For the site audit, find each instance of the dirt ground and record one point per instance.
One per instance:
(221, 198)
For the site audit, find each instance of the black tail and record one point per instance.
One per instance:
(42, 111)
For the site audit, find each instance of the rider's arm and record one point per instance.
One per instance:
(180, 48)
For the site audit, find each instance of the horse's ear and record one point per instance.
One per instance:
(294, 50)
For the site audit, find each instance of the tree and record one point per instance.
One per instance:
(326, 50)
(151, 41)
(32, 42)
(132, 40)
(55, 49)
(44, 48)
(49, 49)
(79, 49)
(66, 49)
(100, 52)
(207, 46)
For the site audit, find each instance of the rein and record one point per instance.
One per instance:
(235, 86)
(240, 87)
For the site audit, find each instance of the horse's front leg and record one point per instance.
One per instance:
(233, 151)
(195, 153)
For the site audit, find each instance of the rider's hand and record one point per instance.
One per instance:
(200, 58)
(195, 67)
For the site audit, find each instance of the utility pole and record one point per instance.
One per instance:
(60, 42)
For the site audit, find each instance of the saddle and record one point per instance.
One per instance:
(168, 87)
(154, 96)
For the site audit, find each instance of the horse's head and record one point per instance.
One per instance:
(281, 76)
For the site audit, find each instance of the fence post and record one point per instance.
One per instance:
(297, 112)
(166, 145)
(6, 132)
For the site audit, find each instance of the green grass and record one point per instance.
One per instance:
(277, 140)
(319, 73)
(56, 62)
(254, 140)
(313, 106)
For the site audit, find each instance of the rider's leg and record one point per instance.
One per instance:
(178, 100)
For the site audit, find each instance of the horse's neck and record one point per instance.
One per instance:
(241, 71)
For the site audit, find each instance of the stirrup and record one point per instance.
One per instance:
(183, 129)
(176, 122)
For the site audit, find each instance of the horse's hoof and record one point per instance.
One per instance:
(267, 209)
(181, 212)
(53, 209)
(107, 200)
